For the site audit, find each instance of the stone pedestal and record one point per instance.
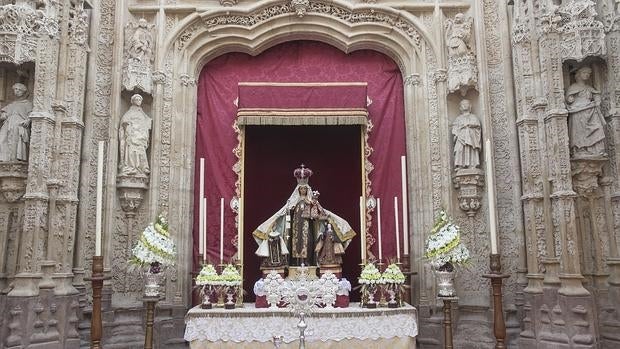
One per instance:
(13, 177)
(131, 191)
(469, 184)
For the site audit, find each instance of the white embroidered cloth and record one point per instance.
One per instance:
(251, 324)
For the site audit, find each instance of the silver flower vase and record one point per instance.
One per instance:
(445, 283)
(151, 283)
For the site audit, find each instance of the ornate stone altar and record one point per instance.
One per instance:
(559, 215)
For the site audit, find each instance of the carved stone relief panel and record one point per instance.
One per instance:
(138, 56)
(462, 64)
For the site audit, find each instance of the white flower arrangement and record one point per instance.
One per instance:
(393, 275)
(370, 275)
(230, 276)
(155, 247)
(344, 287)
(443, 246)
(208, 276)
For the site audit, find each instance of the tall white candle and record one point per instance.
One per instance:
(379, 229)
(403, 180)
(397, 232)
(99, 199)
(204, 224)
(201, 209)
(221, 230)
(362, 236)
(491, 195)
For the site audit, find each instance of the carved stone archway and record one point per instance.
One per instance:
(199, 38)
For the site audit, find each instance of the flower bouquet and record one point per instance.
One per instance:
(394, 281)
(369, 281)
(231, 280)
(154, 249)
(444, 251)
(208, 280)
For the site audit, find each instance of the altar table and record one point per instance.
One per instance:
(345, 328)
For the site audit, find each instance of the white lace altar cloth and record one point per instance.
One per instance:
(261, 325)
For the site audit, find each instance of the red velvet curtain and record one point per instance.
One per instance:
(272, 153)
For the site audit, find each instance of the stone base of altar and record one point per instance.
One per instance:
(352, 327)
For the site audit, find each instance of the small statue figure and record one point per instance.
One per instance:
(139, 42)
(586, 123)
(467, 133)
(458, 35)
(139, 56)
(134, 140)
(15, 129)
(273, 250)
(329, 249)
(462, 64)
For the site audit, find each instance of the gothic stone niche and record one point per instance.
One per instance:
(138, 56)
(462, 67)
(468, 178)
(133, 166)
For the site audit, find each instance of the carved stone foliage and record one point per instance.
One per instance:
(78, 23)
(138, 56)
(20, 27)
(582, 34)
(318, 7)
(462, 66)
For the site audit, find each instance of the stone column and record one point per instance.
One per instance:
(36, 198)
(562, 194)
(67, 156)
(610, 319)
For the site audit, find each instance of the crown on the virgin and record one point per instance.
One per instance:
(302, 174)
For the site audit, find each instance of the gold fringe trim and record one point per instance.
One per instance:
(299, 120)
(301, 111)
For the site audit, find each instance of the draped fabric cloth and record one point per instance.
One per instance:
(296, 61)
(326, 326)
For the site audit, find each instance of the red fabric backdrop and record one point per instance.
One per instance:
(274, 152)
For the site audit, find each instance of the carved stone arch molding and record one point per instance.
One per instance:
(200, 37)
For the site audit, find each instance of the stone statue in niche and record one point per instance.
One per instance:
(139, 56)
(467, 133)
(15, 129)
(585, 121)
(134, 137)
(462, 68)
